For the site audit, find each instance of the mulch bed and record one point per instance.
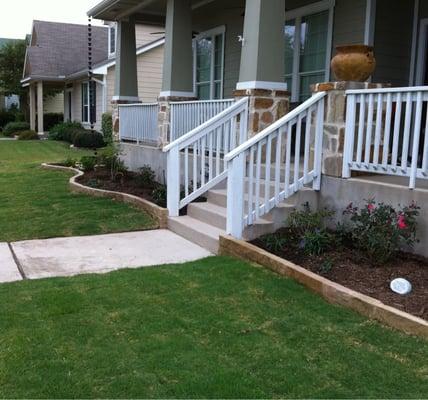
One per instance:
(127, 183)
(349, 267)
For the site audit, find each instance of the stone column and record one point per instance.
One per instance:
(335, 121)
(261, 76)
(177, 81)
(40, 124)
(32, 96)
(126, 79)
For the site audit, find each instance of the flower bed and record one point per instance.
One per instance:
(364, 255)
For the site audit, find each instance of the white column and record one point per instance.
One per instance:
(40, 107)
(32, 95)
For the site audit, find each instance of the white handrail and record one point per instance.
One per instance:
(387, 133)
(387, 90)
(276, 125)
(195, 161)
(275, 164)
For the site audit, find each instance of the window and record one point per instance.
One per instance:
(209, 64)
(89, 102)
(112, 40)
(307, 48)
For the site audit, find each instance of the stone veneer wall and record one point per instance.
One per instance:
(266, 107)
(335, 121)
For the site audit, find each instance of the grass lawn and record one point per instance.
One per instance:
(213, 328)
(35, 203)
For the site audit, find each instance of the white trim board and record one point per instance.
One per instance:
(261, 85)
(370, 23)
(414, 43)
(422, 60)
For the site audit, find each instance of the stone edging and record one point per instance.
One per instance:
(331, 291)
(159, 213)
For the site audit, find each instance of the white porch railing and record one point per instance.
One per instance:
(266, 169)
(196, 160)
(387, 132)
(139, 123)
(188, 115)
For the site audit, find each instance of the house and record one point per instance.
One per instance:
(243, 107)
(57, 62)
(7, 102)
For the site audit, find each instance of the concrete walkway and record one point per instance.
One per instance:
(94, 254)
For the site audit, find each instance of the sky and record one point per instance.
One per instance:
(16, 16)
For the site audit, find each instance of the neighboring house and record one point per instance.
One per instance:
(57, 58)
(6, 102)
(234, 67)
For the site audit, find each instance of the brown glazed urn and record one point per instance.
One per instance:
(353, 63)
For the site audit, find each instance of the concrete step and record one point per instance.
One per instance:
(205, 235)
(209, 213)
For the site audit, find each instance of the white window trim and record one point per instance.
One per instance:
(220, 30)
(89, 102)
(110, 53)
(297, 14)
(422, 61)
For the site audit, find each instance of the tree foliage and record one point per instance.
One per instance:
(12, 56)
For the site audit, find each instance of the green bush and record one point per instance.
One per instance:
(380, 230)
(107, 127)
(109, 157)
(146, 177)
(28, 135)
(309, 230)
(13, 128)
(88, 163)
(52, 119)
(70, 162)
(88, 139)
(65, 131)
(159, 195)
(5, 118)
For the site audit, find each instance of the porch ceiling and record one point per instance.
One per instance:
(145, 11)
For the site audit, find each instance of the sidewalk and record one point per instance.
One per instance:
(35, 259)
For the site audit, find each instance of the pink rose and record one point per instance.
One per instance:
(401, 223)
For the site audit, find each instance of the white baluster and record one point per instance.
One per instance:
(416, 138)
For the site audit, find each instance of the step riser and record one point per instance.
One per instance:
(194, 236)
(219, 221)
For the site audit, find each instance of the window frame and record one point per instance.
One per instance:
(110, 28)
(212, 33)
(298, 14)
(86, 88)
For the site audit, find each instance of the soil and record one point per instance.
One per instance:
(349, 267)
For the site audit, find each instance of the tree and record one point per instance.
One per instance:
(12, 57)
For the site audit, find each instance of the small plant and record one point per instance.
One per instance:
(107, 127)
(88, 163)
(93, 183)
(380, 230)
(146, 177)
(13, 128)
(274, 243)
(325, 267)
(109, 157)
(159, 195)
(28, 135)
(309, 230)
(69, 162)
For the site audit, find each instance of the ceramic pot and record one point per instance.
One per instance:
(353, 63)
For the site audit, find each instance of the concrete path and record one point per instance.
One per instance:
(8, 269)
(100, 254)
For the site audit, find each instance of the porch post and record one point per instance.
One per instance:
(261, 76)
(40, 124)
(126, 78)
(177, 80)
(126, 85)
(32, 95)
(178, 60)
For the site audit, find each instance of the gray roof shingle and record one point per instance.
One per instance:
(60, 49)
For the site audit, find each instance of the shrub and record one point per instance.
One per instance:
(69, 162)
(13, 128)
(88, 163)
(380, 230)
(309, 230)
(107, 127)
(159, 195)
(52, 119)
(146, 177)
(65, 131)
(88, 139)
(110, 158)
(28, 135)
(5, 118)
